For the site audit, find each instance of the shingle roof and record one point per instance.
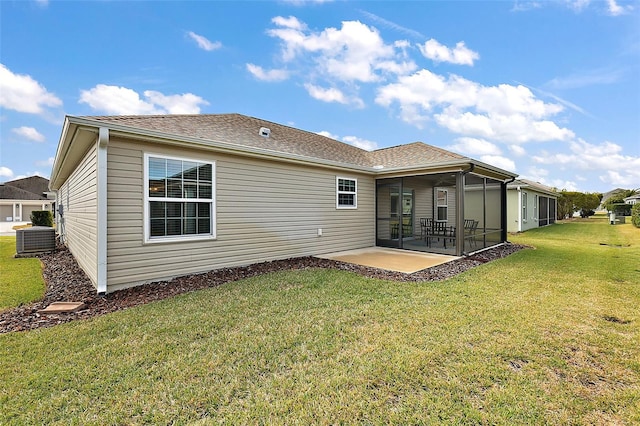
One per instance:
(531, 184)
(243, 131)
(29, 188)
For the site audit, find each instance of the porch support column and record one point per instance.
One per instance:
(103, 142)
(503, 211)
(460, 213)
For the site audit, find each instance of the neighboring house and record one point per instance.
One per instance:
(18, 198)
(148, 198)
(634, 199)
(530, 205)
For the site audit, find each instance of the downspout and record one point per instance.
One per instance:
(504, 208)
(460, 210)
(519, 195)
(101, 198)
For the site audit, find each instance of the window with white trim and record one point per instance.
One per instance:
(442, 205)
(346, 193)
(179, 198)
(535, 207)
(524, 206)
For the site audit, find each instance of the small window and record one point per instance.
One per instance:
(346, 193)
(179, 198)
(524, 206)
(442, 205)
(535, 207)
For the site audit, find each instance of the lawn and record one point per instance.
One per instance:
(546, 336)
(20, 279)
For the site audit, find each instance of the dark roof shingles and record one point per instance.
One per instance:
(243, 131)
(29, 188)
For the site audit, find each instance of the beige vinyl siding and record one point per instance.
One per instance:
(513, 210)
(423, 201)
(80, 214)
(265, 210)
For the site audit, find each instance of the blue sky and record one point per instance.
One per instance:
(547, 89)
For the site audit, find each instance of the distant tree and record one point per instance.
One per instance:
(570, 202)
(587, 202)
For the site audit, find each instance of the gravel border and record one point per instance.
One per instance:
(66, 282)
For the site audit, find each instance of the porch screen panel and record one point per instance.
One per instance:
(474, 213)
(493, 204)
(543, 211)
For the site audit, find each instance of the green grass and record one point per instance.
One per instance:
(20, 279)
(545, 336)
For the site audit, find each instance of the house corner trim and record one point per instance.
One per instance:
(103, 143)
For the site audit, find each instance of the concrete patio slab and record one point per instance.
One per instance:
(390, 259)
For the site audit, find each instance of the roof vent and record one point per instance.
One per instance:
(264, 132)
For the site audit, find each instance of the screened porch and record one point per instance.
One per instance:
(449, 213)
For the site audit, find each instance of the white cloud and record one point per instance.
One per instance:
(328, 135)
(22, 93)
(577, 5)
(536, 174)
(517, 150)
(204, 43)
(352, 140)
(47, 162)
(360, 143)
(123, 101)
(270, 75)
(437, 52)
(187, 103)
(389, 24)
(605, 159)
(353, 53)
(501, 113)
(332, 95)
(524, 6)
(291, 22)
(615, 9)
(29, 133)
(499, 161)
(305, 2)
(560, 184)
(473, 146)
(6, 172)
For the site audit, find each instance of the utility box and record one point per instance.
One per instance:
(37, 239)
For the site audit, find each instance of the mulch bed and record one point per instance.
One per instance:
(66, 282)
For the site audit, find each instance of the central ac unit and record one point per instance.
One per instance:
(37, 239)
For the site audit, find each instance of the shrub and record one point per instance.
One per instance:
(635, 215)
(586, 213)
(41, 218)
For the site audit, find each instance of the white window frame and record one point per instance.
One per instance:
(146, 209)
(342, 192)
(524, 206)
(445, 205)
(535, 207)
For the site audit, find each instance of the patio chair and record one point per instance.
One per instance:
(425, 227)
(437, 230)
(470, 229)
